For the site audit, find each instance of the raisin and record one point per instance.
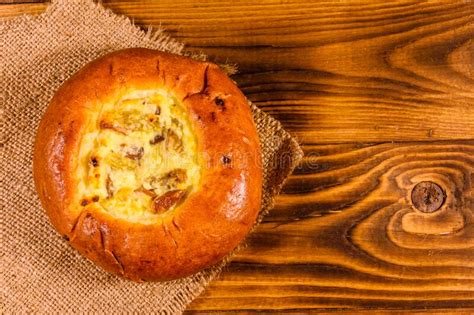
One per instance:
(226, 159)
(94, 161)
(157, 139)
(84, 202)
(95, 198)
(168, 200)
(219, 101)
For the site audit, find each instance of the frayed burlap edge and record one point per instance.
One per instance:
(40, 272)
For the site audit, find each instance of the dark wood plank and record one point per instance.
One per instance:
(20, 1)
(11, 10)
(373, 71)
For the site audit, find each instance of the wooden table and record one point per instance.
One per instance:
(380, 213)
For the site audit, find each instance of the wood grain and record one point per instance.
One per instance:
(381, 95)
(373, 71)
(345, 234)
(19, 1)
(11, 10)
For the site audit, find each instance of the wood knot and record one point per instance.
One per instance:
(427, 197)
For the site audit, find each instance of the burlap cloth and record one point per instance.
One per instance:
(40, 272)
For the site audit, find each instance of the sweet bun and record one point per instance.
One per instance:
(149, 164)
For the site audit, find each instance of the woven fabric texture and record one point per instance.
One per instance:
(40, 272)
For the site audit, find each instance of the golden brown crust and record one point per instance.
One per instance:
(210, 222)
